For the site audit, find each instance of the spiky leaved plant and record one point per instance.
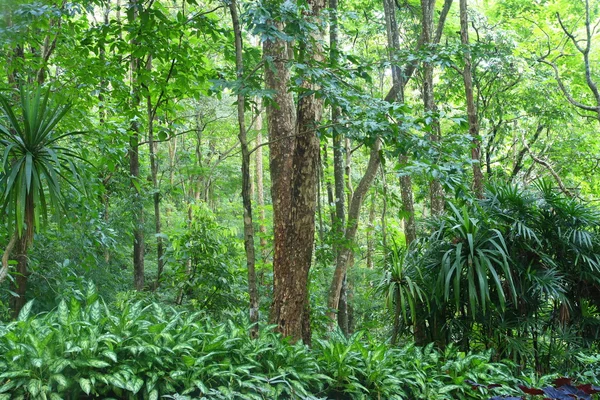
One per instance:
(33, 165)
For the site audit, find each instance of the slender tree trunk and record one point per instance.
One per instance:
(152, 147)
(246, 178)
(371, 234)
(330, 196)
(398, 81)
(471, 110)
(338, 224)
(20, 283)
(134, 165)
(352, 227)
(435, 187)
(260, 186)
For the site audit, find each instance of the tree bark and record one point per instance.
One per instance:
(294, 155)
(260, 186)
(398, 82)
(152, 147)
(20, 284)
(246, 178)
(471, 109)
(435, 187)
(134, 164)
(352, 227)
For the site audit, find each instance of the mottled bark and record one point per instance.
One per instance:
(471, 109)
(371, 235)
(294, 152)
(246, 178)
(339, 222)
(152, 147)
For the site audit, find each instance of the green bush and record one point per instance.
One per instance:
(142, 350)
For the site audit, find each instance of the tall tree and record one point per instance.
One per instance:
(435, 186)
(294, 154)
(246, 178)
(134, 148)
(471, 110)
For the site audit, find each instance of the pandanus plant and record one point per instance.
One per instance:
(33, 166)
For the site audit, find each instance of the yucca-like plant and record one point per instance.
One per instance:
(401, 288)
(477, 258)
(34, 163)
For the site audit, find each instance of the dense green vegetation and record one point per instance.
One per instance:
(299, 199)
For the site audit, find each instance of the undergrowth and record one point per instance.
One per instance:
(143, 350)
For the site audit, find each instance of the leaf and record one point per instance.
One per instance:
(110, 355)
(25, 311)
(86, 385)
(63, 313)
(34, 387)
(532, 391)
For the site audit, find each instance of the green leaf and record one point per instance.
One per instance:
(34, 387)
(86, 385)
(25, 311)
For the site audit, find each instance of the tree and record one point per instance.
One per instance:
(246, 178)
(33, 165)
(294, 153)
(471, 110)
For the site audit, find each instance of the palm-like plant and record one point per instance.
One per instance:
(400, 286)
(33, 166)
(477, 257)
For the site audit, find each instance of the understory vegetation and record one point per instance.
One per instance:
(299, 199)
(141, 349)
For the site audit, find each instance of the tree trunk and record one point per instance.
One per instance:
(152, 147)
(20, 283)
(339, 222)
(134, 165)
(371, 234)
(471, 110)
(260, 186)
(246, 178)
(398, 81)
(294, 152)
(435, 187)
(351, 228)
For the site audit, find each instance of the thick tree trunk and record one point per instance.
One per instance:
(246, 178)
(289, 294)
(294, 152)
(471, 110)
(134, 166)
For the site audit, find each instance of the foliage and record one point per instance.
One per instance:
(34, 159)
(141, 349)
(206, 262)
